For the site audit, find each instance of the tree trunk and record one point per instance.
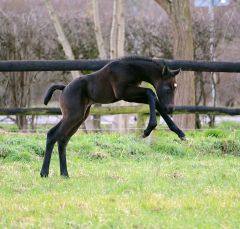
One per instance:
(98, 31)
(63, 40)
(61, 35)
(117, 41)
(180, 15)
(113, 35)
(120, 29)
(122, 120)
(101, 50)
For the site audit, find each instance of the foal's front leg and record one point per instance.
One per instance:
(172, 126)
(132, 93)
(152, 120)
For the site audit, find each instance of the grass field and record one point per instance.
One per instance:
(123, 181)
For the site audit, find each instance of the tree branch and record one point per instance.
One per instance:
(61, 35)
(165, 5)
(98, 31)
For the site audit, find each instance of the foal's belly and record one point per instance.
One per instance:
(102, 94)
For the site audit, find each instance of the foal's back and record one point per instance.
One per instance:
(103, 85)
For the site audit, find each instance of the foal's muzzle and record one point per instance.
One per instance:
(170, 109)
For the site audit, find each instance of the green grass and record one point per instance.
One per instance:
(123, 181)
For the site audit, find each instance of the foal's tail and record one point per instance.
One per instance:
(50, 92)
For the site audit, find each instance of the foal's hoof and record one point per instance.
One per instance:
(144, 136)
(183, 138)
(146, 133)
(64, 175)
(43, 174)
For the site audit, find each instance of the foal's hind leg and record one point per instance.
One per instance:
(62, 132)
(51, 140)
(62, 144)
(65, 137)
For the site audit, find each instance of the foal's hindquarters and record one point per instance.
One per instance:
(75, 108)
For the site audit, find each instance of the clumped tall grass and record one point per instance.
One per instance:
(21, 147)
(214, 141)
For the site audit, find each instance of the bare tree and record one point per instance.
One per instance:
(117, 41)
(61, 35)
(180, 15)
(101, 49)
(225, 21)
(150, 38)
(117, 37)
(113, 35)
(120, 29)
(17, 42)
(89, 124)
(98, 30)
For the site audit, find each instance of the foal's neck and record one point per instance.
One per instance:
(150, 72)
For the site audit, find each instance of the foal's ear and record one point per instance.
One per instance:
(165, 70)
(175, 72)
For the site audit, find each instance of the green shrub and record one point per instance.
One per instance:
(229, 125)
(20, 146)
(122, 145)
(217, 133)
(98, 155)
(35, 148)
(171, 148)
(228, 146)
(20, 156)
(114, 145)
(6, 150)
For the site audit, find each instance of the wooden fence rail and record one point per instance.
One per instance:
(95, 64)
(143, 109)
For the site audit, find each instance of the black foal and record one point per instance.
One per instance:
(118, 80)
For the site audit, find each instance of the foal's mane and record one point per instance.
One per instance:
(141, 58)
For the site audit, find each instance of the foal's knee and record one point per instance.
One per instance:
(151, 95)
(51, 137)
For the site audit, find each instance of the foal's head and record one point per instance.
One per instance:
(165, 88)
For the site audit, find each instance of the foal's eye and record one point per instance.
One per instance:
(168, 90)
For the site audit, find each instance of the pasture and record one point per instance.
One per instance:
(124, 181)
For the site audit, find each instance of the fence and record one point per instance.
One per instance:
(143, 109)
(93, 65)
(67, 65)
